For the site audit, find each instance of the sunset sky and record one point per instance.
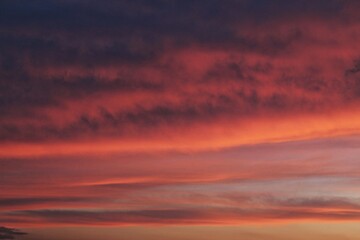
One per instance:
(180, 119)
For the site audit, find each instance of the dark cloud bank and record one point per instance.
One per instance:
(9, 233)
(52, 55)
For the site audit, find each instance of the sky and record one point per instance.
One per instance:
(179, 119)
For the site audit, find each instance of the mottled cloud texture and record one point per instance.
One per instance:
(139, 70)
(170, 112)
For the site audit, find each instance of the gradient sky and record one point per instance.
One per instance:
(180, 119)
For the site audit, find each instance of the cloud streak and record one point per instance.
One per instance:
(232, 186)
(9, 233)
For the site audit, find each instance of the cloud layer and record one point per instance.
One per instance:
(76, 71)
(285, 182)
(178, 112)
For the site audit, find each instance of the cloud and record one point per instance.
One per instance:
(308, 180)
(173, 112)
(182, 216)
(36, 201)
(120, 71)
(9, 233)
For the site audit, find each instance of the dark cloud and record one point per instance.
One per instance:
(9, 233)
(176, 216)
(352, 81)
(88, 217)
(355, 69)
(24, 92)
(14, 202)
(57, 53)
